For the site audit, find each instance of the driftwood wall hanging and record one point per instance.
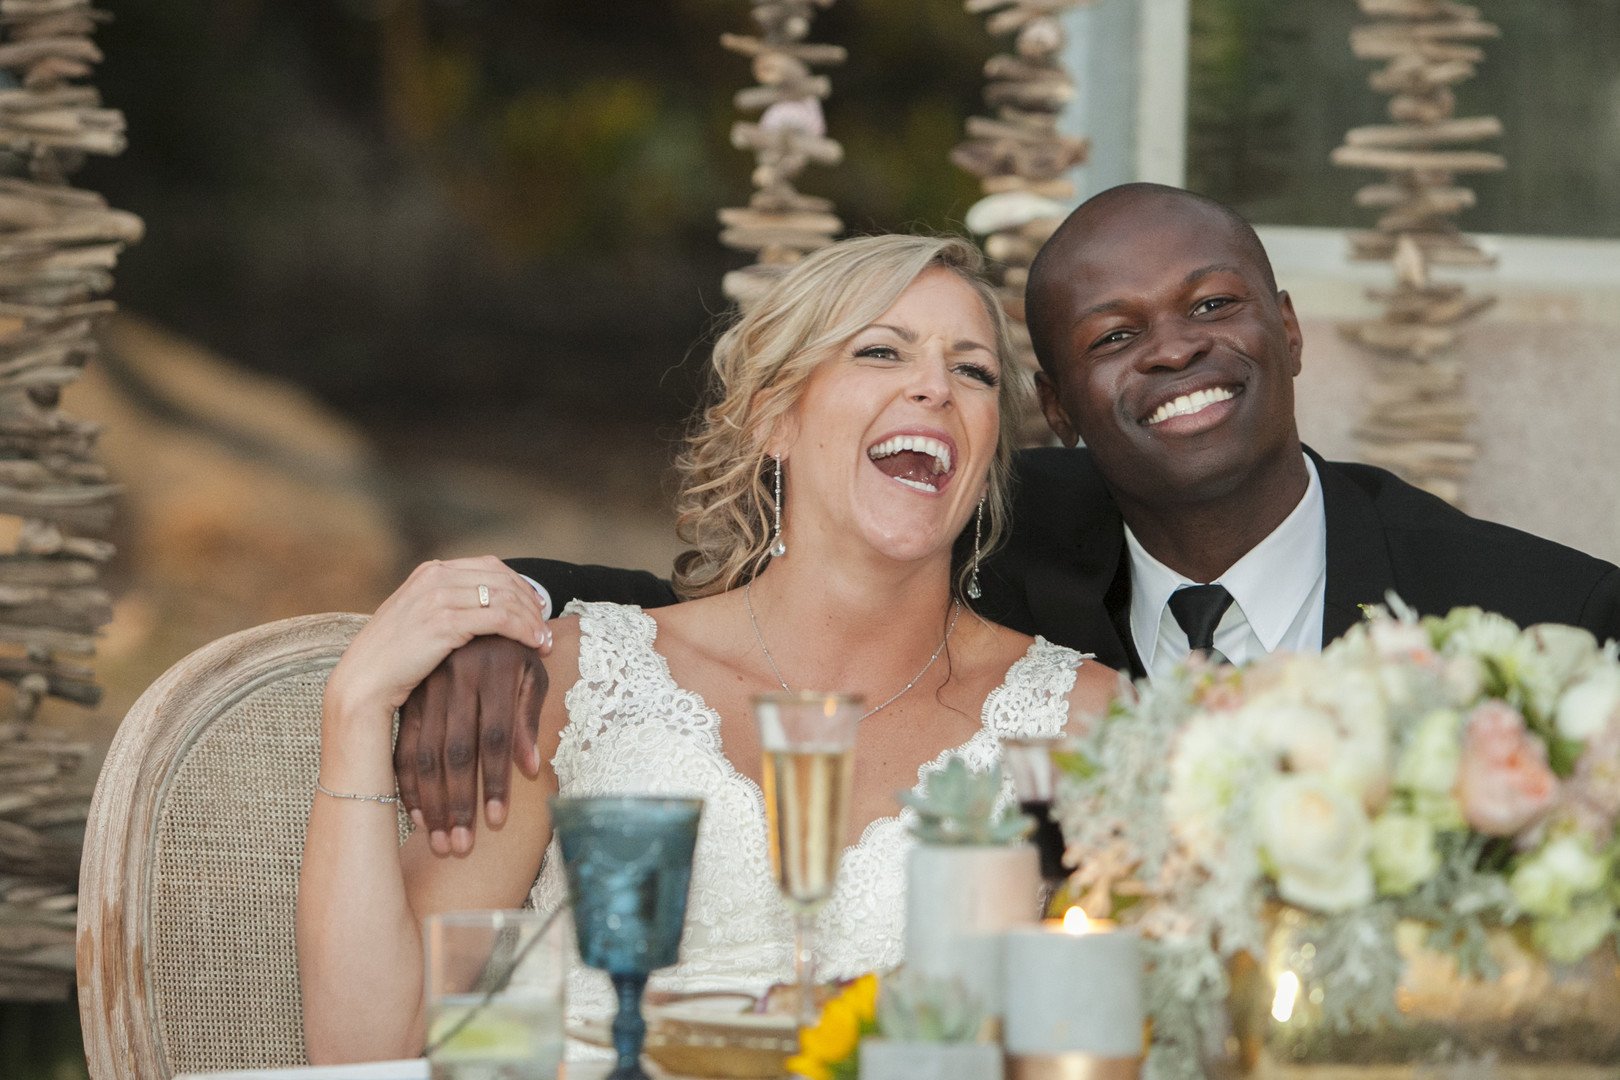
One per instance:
(780, 224)
(58, 246)
(1019, 156)
(1418, 417)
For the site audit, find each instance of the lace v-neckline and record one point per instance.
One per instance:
(717, 740)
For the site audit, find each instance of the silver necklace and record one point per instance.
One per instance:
(956, 611)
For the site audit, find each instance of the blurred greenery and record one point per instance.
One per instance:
(40, 1041)
(418, 207)
(1273, 87)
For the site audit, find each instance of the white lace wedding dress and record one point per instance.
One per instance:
(631, 729)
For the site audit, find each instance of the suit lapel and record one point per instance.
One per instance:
(1063, 592)
(1358, 566)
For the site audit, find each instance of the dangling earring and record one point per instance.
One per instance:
(973, 590)
(778, 549)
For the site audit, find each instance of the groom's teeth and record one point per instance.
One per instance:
(922, 444)
(1190, 403)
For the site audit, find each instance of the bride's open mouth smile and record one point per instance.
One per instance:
(921, 462)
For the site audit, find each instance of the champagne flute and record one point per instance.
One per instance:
(808, 744)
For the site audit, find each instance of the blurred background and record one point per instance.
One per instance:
(435, 277)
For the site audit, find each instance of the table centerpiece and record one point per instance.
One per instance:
(1396, 855)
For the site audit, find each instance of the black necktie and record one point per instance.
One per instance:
(1198, 610)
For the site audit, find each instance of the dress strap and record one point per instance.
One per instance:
(625, 687)
(1033, 700)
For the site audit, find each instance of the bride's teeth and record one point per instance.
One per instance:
(914, 484)
(921, 444)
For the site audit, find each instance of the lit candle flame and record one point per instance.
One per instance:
(1075, 921)
(1282, 1005)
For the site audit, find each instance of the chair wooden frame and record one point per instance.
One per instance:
(121, 1033)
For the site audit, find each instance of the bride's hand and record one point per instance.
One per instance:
(438, 609)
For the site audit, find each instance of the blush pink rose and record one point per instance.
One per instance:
(1505, 784)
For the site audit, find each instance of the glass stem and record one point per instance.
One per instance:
(629, 1028)
(804, 963)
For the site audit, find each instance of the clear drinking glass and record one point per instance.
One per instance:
(494, 988)
(807, 740)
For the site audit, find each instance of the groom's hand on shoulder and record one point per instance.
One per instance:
(478, 712)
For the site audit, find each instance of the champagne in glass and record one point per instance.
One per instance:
(807, 804)
(808, 740)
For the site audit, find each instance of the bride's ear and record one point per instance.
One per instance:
(776, 437)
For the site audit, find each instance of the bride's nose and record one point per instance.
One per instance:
(930, 380)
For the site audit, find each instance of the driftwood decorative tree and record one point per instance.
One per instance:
(58, 246)
(780, 223)
(1418, 417)
(1018, 153)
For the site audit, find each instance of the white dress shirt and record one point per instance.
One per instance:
(1278, 590)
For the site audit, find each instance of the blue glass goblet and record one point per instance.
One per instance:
(629, 865)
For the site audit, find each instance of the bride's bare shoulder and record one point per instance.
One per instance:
(1096, 685)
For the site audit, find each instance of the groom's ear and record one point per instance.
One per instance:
(1052, 408)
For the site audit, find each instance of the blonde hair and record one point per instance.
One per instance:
(759, 370)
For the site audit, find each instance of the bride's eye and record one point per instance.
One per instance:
(878, 352)
(981, 373)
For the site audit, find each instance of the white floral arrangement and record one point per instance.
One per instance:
(1458, 771)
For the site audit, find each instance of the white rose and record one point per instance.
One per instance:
(1568, 939)
(1403, 853)
(1314, 837)
(1432, 755)
(1362, 767)
(1566, 650)
(1303, 737)
(1547, 882)
(1209, 765)
(1393, 639)
(1482, 633)
(1590, 705)
(1464, 677)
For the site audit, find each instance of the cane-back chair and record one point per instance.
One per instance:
(186, 958)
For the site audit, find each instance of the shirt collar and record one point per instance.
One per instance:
(1269, 584)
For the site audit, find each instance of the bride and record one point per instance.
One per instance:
(838, 495)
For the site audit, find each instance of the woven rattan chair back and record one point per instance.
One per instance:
(186, 958)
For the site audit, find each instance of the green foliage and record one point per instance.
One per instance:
(960, 806)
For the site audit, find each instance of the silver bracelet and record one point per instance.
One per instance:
(324, 790)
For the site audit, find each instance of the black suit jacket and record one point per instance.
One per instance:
(1065, 573)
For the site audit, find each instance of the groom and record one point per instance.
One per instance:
(1193, 518)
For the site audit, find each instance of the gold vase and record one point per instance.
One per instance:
(1534, 1021)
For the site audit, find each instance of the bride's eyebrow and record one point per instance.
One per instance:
(899, 331)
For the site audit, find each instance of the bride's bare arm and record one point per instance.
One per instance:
(361, 895)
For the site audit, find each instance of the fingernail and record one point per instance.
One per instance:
(418, 820)
(439, 841)
(461, 839)
(495, 811)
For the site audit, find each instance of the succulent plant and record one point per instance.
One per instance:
(917, 1008)
(960, 806)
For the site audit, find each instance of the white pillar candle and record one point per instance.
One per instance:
(1074, 989)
